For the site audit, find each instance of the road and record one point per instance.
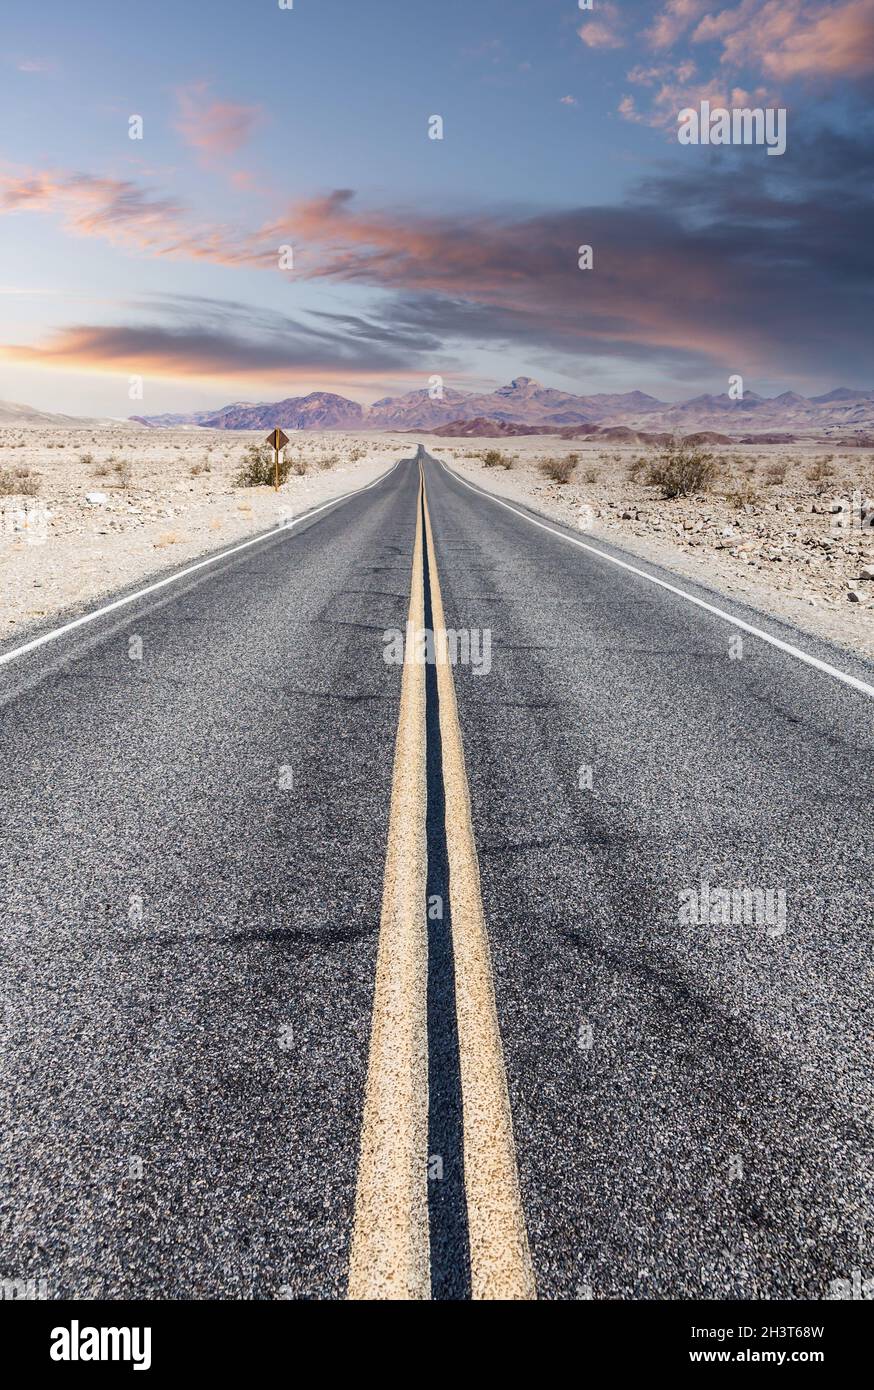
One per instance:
(613, 1098)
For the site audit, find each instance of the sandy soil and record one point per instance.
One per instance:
(765, 532)
(111, 507)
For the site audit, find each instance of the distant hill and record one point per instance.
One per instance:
(483, 428)
(320, 410)
(26, 417)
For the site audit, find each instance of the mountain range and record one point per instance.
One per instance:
(525, 402)
(523, 405)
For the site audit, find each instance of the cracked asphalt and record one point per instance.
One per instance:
(191, 861)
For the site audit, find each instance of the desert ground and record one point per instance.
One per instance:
(765, 530)
(86, 512)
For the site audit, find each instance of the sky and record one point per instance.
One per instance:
(159, 260)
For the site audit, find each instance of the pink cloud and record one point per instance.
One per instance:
(122, 213)
(34, 65)
(602, 32)
(215, 128)
(675, 86)
(795, 38)
(672, 23)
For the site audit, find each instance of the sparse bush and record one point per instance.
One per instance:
(559, 470)
(494, 458)
(354, 455)
(297, 463)
(123, 473)
(18, 484)
(86, 460)
(680, 469)
(636, 467)
(591, 475)
(258, 467)
(101, 470)
(775, 474)
(821, 473)
(329, 460)
(743, 496)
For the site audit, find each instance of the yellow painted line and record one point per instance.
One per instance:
(500, 1258)
(390, 1252)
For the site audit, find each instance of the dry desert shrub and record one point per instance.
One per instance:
(258, 467)
(494, 458)
(636, 467)
(743, 495)
(559, 470)
(775, 473)
(591, 474)
(680, 469)
(821, 474)
(18, 483)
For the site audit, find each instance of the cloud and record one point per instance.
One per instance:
(214, 128)
(602, 32)
(769, 270)
(627, 109)
(219, 338)
(694, 271)
(677, 87)
(759, 45)
(568, 101)
(675, 19)
(128, 216)
(795, 38)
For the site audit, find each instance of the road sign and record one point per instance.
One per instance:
(277, 440)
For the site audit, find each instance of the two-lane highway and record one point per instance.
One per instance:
(197, 792)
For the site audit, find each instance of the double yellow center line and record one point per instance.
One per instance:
(390, 1238)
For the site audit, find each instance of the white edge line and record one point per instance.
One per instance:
(673, 589)
(181, 574)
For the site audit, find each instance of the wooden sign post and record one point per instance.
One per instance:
(277, 440)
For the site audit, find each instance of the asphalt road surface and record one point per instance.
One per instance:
(196, 793)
